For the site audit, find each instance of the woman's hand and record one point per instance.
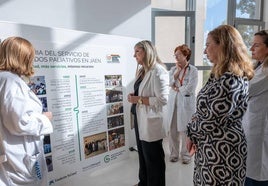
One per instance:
(190, 146)
(132, 99)
(175, 88)
(176, 74)
(48, 115)
(178, 65)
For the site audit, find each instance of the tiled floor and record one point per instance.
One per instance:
(125, 173)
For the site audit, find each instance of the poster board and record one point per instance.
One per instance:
(83, 79)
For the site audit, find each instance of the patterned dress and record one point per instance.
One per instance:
(217, 131)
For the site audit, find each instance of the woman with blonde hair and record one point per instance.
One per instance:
(148, 100)
(215, 130)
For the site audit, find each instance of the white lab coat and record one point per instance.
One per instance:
(22, 126)
(185, 98)
(255, 123)
(151, 119)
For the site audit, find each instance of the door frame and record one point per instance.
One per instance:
(189, 26)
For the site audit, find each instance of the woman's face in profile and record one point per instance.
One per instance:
(258, 49)
(139, 55)
(180, 58)
(212, 50)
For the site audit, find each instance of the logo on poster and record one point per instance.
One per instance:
(113, 58)
(107, 158)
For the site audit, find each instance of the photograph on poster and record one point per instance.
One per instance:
(115, 108)
(114, 95)
(95, 144)
(49, 163)
(44, 103)
(47, 144)
(38, 85)
(116, 138)
(113, 80)
(115, 121)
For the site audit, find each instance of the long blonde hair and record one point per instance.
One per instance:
(150, 59)
(233, 55)
(17, 55)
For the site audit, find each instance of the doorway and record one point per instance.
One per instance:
(170, 29)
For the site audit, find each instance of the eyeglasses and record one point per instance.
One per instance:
(177, 55)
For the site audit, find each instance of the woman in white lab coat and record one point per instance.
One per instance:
(22, 123)
(183, 79)
(255, 121)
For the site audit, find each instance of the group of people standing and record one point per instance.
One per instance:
(225, 125)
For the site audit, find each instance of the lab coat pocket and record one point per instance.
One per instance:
(188, 102)
(154, 113)
(33, 164)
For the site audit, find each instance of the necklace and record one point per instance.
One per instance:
(183, 75)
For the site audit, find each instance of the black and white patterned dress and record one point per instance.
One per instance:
(216, 129)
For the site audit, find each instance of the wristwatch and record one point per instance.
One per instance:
(140, 101)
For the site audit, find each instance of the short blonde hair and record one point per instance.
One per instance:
(17, 55)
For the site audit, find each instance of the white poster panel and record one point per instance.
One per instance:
(83, 79)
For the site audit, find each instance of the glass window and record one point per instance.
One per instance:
(203, 76)
(172, 30)
(216, 14)
(247, 32)
(250, 9)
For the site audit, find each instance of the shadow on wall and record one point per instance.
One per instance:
(102, 16)
(118, 17)
(3, 1)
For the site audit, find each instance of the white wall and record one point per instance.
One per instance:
(265, 14)
(118, 17)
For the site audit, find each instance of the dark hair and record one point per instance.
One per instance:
(264, 35)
